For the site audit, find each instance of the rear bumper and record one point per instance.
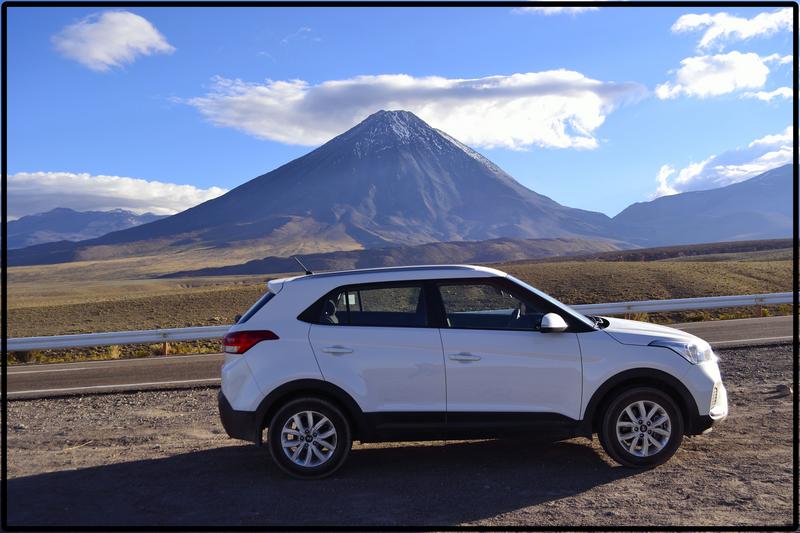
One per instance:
(238, 424)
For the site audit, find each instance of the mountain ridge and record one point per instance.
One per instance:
(65, 224)
(756, 208)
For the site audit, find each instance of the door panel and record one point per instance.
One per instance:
(496, 358)
(512, 371)
(383, 368)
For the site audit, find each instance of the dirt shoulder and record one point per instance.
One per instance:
(162, 458)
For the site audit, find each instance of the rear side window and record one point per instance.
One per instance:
(256, 307)
(387, 306)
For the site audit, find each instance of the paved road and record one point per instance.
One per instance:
(741, 332)
(34, 381)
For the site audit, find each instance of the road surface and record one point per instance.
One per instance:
(36, 380)
(741, 332)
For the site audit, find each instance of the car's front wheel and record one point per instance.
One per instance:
(309, 438)
(641, 427)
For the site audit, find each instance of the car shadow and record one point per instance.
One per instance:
(238, 485)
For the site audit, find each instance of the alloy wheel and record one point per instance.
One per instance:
(643, 428)
(308, 439)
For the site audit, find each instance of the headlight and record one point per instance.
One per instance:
(695, 352)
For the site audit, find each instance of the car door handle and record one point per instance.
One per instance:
(464, 356)
(337, 350)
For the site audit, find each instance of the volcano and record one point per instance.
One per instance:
(390, 180)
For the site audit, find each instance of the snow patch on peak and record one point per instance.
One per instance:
(400, 127)
(469, 151)
(386, 129)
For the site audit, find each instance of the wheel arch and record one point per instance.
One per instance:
(309, 388)
(648, 377)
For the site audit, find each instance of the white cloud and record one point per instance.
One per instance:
(110, 39)
(771, 151)
(36, 192)
(782, 138)
(779, 59)
(301, 34)
(767, 96)
(723, 27)
(557, 108)
(713, 75)
(664, 188)
(730, 167)
(556, 10)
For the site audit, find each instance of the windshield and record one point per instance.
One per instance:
(583, 318)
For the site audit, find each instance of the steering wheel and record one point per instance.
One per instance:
(515, 316)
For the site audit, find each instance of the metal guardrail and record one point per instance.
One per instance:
(215, 332)
(684, 304)
(149, 336)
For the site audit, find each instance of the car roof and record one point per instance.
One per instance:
(399, 273)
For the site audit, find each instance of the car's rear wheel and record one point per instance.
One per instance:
(641, 427)
(309, 438)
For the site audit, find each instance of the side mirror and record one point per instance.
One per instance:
(552, 323)
(237, 318)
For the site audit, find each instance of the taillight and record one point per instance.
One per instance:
(241, 341)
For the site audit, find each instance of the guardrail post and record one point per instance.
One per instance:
(166, 348)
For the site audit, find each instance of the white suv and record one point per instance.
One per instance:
(454, 352)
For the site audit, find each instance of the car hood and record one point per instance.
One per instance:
(642, 333)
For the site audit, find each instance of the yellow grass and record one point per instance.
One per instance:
(59, 307)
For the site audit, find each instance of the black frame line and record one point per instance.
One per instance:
(399, 3)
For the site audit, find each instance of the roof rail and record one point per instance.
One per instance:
(379, 270)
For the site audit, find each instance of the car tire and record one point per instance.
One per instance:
(323, 441)
(641, 442)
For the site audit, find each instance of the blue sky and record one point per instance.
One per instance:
(160, 108)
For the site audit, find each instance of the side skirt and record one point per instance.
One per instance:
(406, 426)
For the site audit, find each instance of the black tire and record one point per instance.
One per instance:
(608, 428)
(343, 439)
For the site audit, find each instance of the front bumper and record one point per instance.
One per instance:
(718, 411)
(702, 424)
(238, 424)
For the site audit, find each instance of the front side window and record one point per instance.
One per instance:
(556, 304)
(487, 306)
(390, 306)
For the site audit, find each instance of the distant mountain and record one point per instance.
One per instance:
(716, 251)
(494, 250)
(390, 180)
(394, 181)
(758, 208)
(62, 224)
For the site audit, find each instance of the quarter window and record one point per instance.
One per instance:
(256, 307)
(389, 306)
(487, 306)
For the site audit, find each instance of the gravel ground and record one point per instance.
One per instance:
(162, 458)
